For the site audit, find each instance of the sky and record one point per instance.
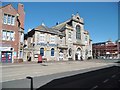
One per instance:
(100, 18)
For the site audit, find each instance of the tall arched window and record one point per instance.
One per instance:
(78, 32)
(52, 52)
(42, 51)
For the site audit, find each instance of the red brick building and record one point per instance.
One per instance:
(12, 33)
(106, 50)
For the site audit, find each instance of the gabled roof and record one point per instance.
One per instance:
(68, 22)
(5, 6)
(61, 25)
(8, 5)
(45, 29)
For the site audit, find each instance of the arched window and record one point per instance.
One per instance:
(78, 32)
(70, 52)
(52, 52)
(42, 51)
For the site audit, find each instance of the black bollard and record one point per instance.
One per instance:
(31, 84)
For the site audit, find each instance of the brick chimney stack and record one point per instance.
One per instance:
(21, 15)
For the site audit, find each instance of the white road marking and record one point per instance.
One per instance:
(113, 76)
(105, 80)
(94, 87)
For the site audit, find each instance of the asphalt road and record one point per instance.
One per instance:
(103, 78)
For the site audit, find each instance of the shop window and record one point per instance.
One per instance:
(52, 52)
(42, 51)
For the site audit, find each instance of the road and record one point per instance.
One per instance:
(103, 78)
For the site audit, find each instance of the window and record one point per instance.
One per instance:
(12, 38)
(22, 37)
(42, 38)
(4, 35)
(78, 18)
(52, 39)
(12, 20)
(5, 19)
(86, 52)
(61, 50)
(69, 35)
(21, 54)
(70, 52)
(86, 38)
(9, 19)
(8, 35)
(78, 32)
(52, 52)
(42, 51)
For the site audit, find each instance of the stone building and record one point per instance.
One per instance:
(11, 33)
(42, 40)
(67, 40)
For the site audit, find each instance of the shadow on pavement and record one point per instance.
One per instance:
(87, 80)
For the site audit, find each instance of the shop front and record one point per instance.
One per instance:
(6, 55)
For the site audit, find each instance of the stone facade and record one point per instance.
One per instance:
(11, 33)
(69, 41)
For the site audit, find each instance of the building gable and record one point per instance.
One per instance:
(8, 8)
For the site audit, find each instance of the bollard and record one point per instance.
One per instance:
(31, 84)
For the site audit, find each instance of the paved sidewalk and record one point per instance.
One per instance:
(21, 71)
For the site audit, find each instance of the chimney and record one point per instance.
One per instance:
(21, 15)
(57, 23)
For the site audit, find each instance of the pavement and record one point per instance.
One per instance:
(14, 75)
(22, 70)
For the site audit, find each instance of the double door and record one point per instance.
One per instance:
(6, 57)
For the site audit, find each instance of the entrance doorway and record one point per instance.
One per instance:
(78, 54)
(6, 57)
